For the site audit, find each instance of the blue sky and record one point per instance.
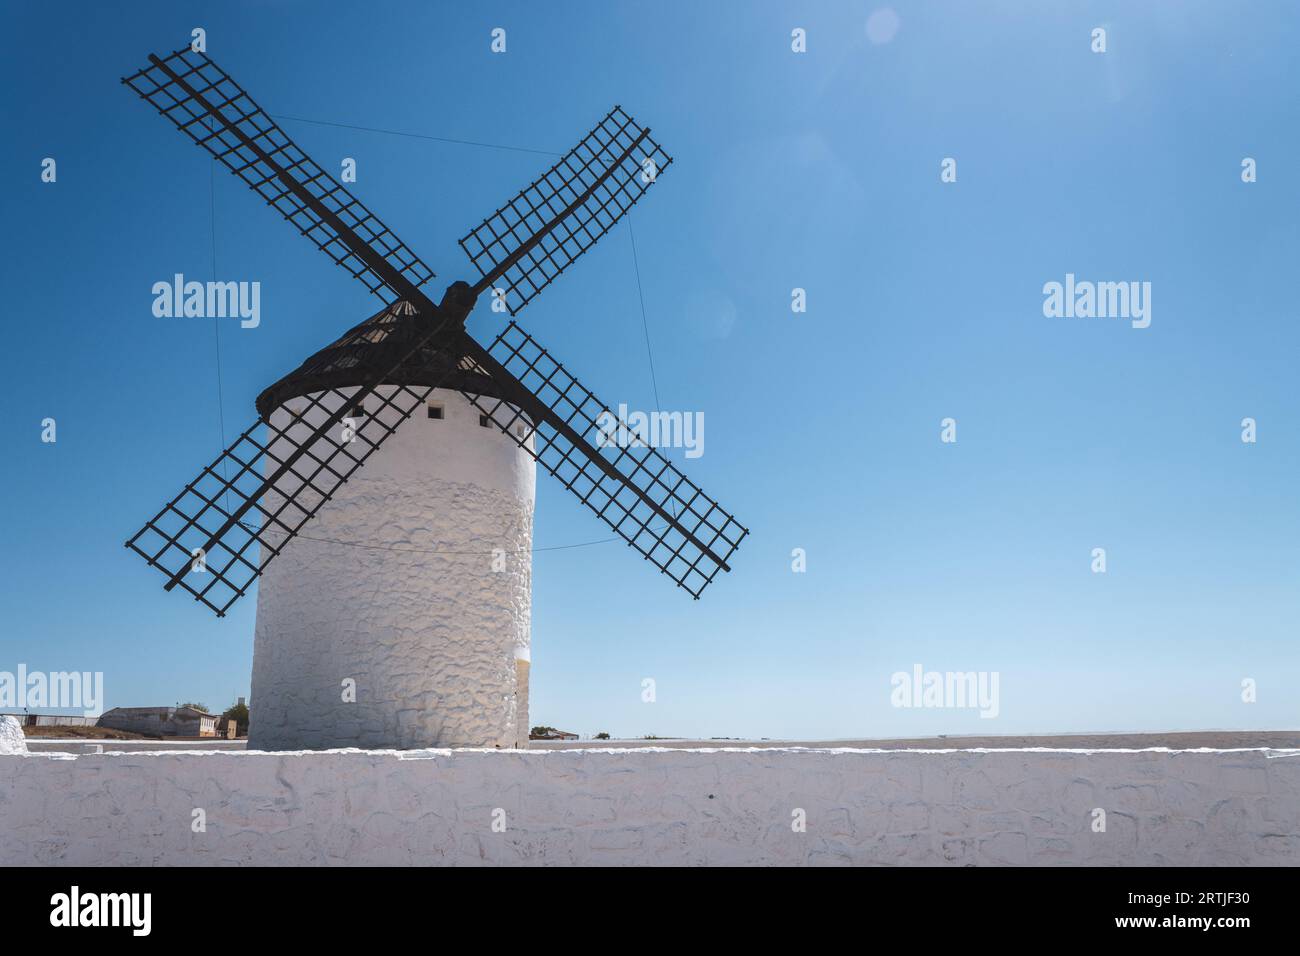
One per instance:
(817, 170)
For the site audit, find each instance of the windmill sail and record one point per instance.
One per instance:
(627, 484)
(525, 245)
(214, 111)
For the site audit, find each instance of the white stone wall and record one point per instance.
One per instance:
(12, 740)
(430, 639)
(654, 807)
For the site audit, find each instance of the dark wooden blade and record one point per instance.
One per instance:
(216, 113)
(631, 487)
(525, 245)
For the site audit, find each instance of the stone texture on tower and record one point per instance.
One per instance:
(398, 616)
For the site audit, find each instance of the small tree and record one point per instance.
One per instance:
(601, 736)
(190, 703)
(540, 730)
(239, 714)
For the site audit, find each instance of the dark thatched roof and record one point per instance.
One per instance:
(377, 343)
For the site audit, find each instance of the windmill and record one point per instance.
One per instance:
(429, 659)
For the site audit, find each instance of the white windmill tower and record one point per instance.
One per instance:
(421, 638)
(400, 618)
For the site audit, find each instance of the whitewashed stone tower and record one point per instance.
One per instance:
(400, 616)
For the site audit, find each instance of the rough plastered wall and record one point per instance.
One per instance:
(653, 807)
(429, 640)
(12, 740)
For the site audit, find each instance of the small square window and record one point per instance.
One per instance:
(519, 432)
(358, 411)
(435, 411)
(484, 421)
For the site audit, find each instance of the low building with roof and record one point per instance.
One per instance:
(161, 721)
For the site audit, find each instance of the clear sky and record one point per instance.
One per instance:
(818, 170)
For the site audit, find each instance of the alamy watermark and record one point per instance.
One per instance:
(952, 689)
(65, 690)
(75, 908)
(656, 429)
(1101, 300)
(211, 300)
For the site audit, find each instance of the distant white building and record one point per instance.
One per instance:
(163, 721)
(552, 734)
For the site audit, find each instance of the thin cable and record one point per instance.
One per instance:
(645, 325)
(397, 132)
(387, 547)
(216, 325)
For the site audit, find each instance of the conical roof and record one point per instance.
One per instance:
(375, 345)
